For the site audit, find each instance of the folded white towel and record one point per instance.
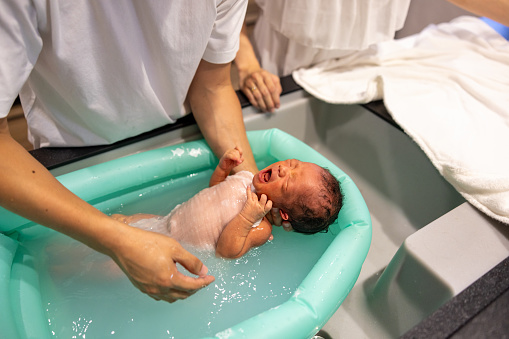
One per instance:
(448, 88)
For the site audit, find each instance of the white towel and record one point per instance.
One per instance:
(448, 88)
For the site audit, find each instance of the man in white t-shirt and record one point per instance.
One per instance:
(95, 72)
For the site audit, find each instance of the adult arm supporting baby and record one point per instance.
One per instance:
(217, 111)
(148, 259)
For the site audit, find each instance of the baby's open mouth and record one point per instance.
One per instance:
(265, 176)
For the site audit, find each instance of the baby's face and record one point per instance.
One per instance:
(284, 181)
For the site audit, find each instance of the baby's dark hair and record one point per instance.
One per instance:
(305, 219)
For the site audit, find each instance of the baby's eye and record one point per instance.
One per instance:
(288, 183)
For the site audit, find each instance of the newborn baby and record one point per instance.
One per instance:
(229, 215)
(200, 220)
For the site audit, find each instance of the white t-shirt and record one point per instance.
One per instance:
(95, 72)
(290, 34)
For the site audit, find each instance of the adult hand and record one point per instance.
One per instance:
(275, 219)
(149, 260)
(262, 88)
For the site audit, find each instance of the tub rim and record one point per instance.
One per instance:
(316, 298)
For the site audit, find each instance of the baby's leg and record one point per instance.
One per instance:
(131, 219)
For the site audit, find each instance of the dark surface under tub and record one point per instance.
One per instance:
(479, 311)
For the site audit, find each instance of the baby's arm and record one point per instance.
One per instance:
(230, 159)
(239, 236)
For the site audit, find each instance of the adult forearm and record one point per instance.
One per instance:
(246, 60)
(28, 189)
(217, 111)
(147, 258)
(220, 119)
(497, 10)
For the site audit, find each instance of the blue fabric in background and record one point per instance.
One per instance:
(501, 29)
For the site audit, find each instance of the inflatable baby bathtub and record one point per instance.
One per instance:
(287, 288)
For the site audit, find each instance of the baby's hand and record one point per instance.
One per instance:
(230, 159)
(255, 209)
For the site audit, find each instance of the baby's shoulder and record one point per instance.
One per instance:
(244, 176)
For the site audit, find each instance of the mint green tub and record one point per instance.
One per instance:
(288, 288)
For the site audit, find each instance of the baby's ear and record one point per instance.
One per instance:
(284, 215)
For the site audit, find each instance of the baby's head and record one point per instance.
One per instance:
(307, 195)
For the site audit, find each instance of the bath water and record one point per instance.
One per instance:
(87, 296)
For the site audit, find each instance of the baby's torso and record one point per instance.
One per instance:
(200, 220)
